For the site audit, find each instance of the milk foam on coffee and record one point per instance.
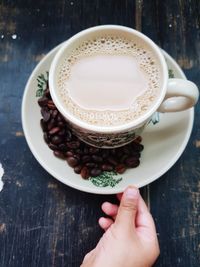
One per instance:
(109, 81)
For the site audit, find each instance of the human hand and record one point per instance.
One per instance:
(130, 239)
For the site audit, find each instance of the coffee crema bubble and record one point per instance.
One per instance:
(109, 81)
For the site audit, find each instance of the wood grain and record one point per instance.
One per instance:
(44, 223)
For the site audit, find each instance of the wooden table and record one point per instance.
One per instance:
(44, 223)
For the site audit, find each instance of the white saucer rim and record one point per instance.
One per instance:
(99, 190)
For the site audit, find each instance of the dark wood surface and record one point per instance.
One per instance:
(44, 223)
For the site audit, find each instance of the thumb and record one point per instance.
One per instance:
(128, 209)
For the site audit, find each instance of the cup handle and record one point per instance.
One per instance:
(181, 94)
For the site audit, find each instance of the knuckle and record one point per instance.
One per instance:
(129, 206)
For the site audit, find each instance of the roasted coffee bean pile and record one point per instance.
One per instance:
(86, 160)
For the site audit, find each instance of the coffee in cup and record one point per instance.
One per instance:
(109, 80)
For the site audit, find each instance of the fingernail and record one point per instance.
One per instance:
(132, 193)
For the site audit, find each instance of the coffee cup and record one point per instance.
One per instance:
(108, 81)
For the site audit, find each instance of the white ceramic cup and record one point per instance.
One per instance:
(175, 94)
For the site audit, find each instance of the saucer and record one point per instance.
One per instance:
(164, 139)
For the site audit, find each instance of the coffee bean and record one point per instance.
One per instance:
(56, 139)
(95, 172)
(45, 114)
(138, 139)
(120, 168)
(91, 165)
(126, 150)
(60, 124)
(72, 161)
(141, 147)
(51, 124)
(85, 173)
(86, 150)
(79, 151)
(51, 105)
(113, 151)
(132, 162)
(62, 147)
(93, 150)
(137, 147)
(54, 113)
(47, 93)
(85, 159)
(59, 154)
(53, 147)
(135, 154)
(97, 159)
(73, 144)
(46, 137)
(43, 125)
(54, 130)
(61, 132)
(75, 138)
(112, 161)
(69, 154)
(77, 156)
(123, 158)
(59, 118)
(42, 101)
(77, 169)
(106, 167)
(119, 152)
(68, 136)
(105, 153)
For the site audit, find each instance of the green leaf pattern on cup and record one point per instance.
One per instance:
(155, 118)
(42, 82)
(171, 73)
